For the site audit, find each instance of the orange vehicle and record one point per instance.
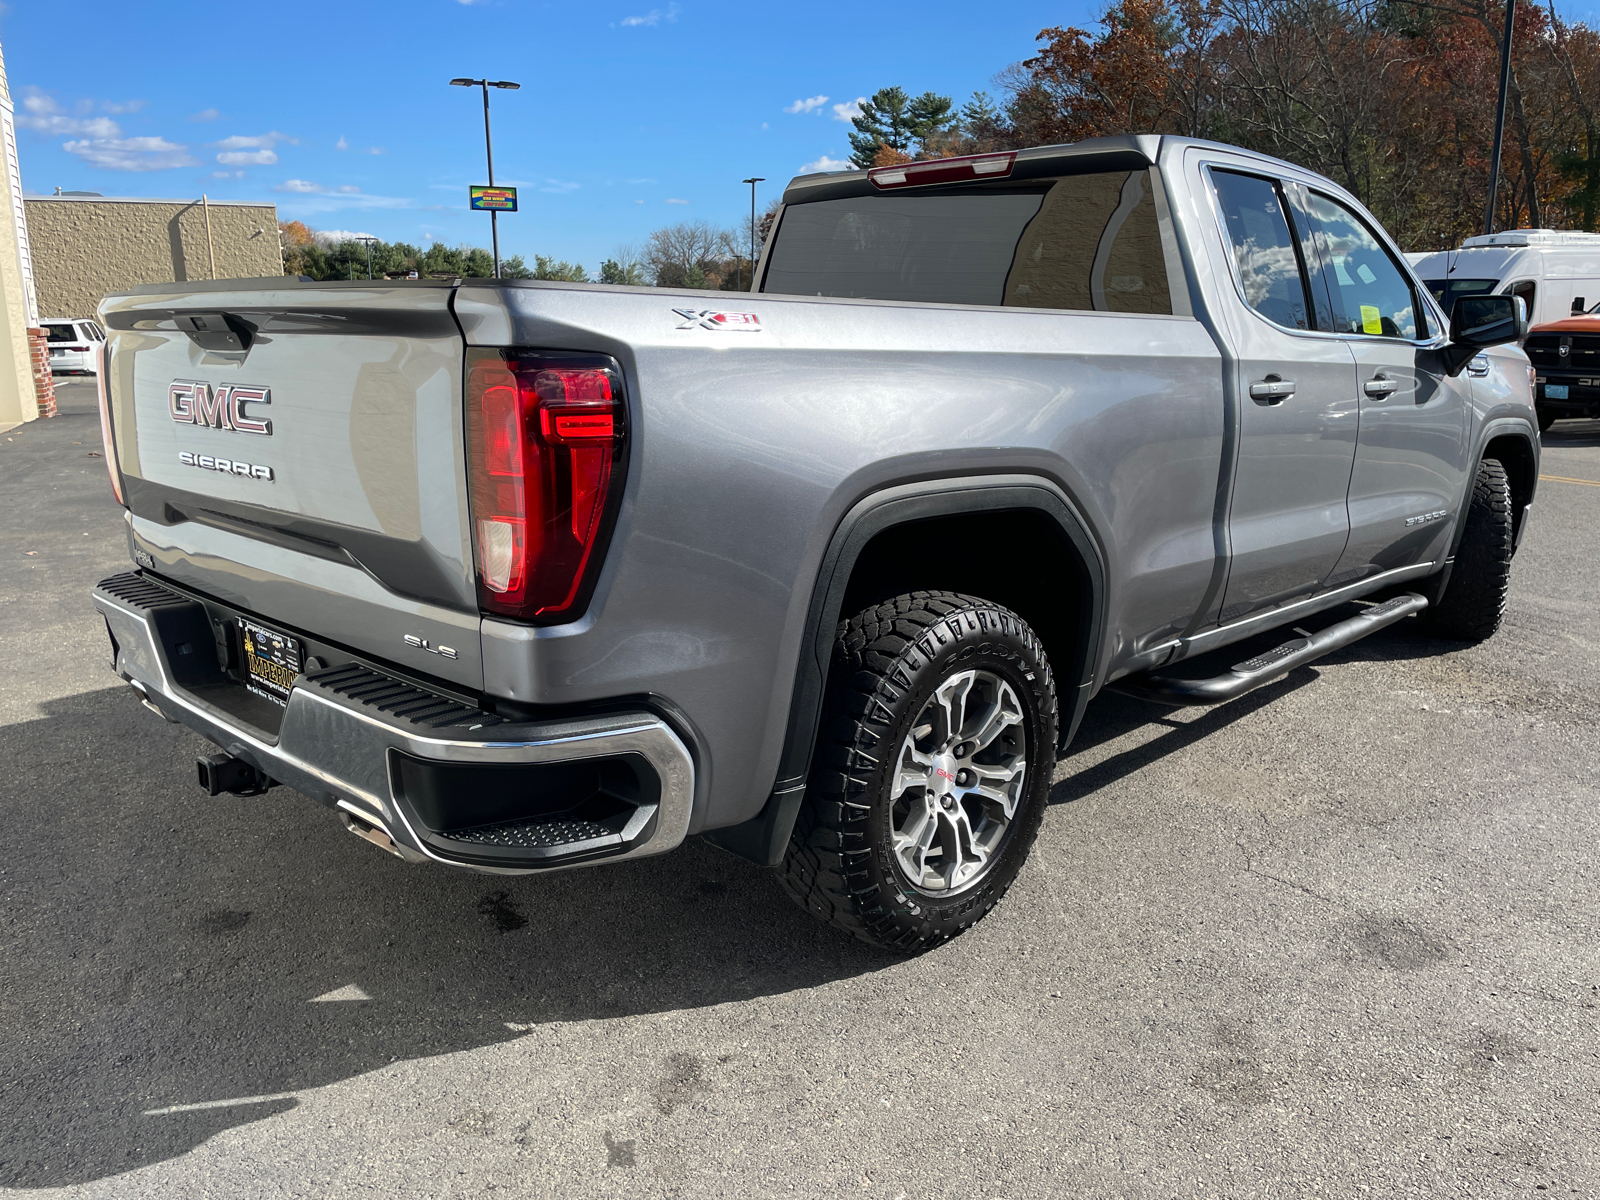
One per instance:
(1566, 356)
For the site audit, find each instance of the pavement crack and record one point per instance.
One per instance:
(1251, 869)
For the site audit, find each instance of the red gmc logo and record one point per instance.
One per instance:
(191, 402)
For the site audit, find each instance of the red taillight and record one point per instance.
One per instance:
(972, 168)
(545, 437)
(102, 383)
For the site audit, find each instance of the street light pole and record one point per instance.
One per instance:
(752, 181)
(488, 146)
(1500, 116)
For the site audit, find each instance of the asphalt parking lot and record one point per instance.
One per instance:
(1336, 938)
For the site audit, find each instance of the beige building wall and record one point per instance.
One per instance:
(87, 246)
(18, 396)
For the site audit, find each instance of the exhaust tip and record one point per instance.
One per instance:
(219, 773)
(370, 833)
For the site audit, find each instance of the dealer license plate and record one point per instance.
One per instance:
(271, 661)
(1555, 391)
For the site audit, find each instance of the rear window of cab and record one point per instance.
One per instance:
(1088, 242)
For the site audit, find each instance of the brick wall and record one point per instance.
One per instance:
(44, 384)
(85, 247)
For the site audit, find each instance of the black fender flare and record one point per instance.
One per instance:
(764, 838)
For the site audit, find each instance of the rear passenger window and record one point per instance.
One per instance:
(1370, 293)
(1263, 247)
(1090, 242)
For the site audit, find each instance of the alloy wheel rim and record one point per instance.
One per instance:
(958, 781)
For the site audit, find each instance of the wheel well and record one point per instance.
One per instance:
(1516, 456)
(1018, 558)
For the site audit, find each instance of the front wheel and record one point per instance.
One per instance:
(1474, 600)
(931, 773)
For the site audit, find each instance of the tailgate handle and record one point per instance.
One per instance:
(217, 330)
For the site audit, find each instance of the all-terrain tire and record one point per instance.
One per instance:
(889, 662)
(1474, 600)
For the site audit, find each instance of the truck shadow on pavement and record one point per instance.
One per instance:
(1571, 435)
(165, 951)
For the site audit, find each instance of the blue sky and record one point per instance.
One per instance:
(633, 114)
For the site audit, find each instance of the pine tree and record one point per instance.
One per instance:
(896, 120)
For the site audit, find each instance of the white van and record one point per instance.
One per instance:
(1556, 273)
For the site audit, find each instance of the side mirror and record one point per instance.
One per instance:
(1478, 322)
(1578, 306)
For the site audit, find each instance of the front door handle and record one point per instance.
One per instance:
(1380, 388)
(1272, 390)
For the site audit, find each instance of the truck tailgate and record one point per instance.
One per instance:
(296, 452)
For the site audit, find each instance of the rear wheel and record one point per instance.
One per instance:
(1474, 600)
(931, 773)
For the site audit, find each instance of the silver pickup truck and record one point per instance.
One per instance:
(518, 576)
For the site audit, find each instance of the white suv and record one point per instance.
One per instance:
(74, 345)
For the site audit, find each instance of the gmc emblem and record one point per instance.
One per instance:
(191, 402)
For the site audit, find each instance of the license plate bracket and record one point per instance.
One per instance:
(271, 661)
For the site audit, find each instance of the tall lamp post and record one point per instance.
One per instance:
(752, 181)
(486, 84)
(1500, 115)
(368, 241)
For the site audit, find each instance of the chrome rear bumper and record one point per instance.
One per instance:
(343, 727)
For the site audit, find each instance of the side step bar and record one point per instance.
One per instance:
(1263, 668)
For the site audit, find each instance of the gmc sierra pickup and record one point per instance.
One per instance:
(516, 576)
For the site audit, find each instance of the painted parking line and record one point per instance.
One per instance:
(1566, 479)
(178, 1108)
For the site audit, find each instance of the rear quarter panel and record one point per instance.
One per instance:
(749, 447)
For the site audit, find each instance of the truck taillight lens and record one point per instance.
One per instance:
(546, 435)
(102, 384)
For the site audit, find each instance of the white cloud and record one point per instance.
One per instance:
(375, 150)
(341, 144)
(253, 151)
(130, 106)
(559, 187)
(347, 189)
(654, 17)
(227, 174)
(41, 112)
(814, 104)
(827, 164)
(672, 201)
(299, 185)
(131, 154)
(327, 200)
(638, 201)
(332, 237)
(206, 114)
(849, 112)
(637, 181)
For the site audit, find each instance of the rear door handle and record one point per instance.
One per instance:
(1271, 390)
(1380, 388)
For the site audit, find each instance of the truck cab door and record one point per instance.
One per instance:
(1411, 449)
(1287, 521)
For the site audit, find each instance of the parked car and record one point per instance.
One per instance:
(1566, 358)
(522, 575)
(74, 346)
(1557, 273)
